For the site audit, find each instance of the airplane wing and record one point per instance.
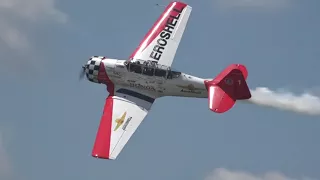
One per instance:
(123, 112)
(161, 42)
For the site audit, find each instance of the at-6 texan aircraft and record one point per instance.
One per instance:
(135, 83)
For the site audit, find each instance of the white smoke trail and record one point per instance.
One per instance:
(305, 103)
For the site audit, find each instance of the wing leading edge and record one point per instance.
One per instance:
(123, 113)
(162, 40)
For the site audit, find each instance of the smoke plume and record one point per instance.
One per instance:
(305, 103)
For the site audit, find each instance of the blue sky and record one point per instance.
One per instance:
(49, 119)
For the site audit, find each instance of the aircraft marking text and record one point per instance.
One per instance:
(150, 88)
(165, 35)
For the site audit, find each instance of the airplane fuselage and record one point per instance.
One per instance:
(151, 80)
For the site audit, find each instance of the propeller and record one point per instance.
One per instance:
(82, 72)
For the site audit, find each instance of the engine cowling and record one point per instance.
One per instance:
(92, 68)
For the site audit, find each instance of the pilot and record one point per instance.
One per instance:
(153, 64)
(147, 69)
(137, 67)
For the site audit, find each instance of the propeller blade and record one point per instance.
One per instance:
(82, 73)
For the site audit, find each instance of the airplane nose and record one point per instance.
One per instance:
(92, 70)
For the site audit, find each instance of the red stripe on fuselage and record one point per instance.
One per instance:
(158, 26)
(104, 78)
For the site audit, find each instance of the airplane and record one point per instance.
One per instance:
(135, 83)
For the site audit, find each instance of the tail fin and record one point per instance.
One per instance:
(228, 87)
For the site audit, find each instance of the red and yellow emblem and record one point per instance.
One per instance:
(120, 121)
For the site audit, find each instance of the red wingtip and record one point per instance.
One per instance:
(101, 148)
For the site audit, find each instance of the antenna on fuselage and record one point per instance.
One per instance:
(157, 4)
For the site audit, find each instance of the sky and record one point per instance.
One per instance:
(49, 118)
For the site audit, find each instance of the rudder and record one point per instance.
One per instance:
(228, 87)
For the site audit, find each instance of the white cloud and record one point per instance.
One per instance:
(33, 9)
(225, 174)
(17, 13)
(252, 3)
(18, 18)
(11, 36)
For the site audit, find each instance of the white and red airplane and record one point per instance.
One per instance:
(135, 84)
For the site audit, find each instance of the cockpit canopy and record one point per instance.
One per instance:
(151, 68)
